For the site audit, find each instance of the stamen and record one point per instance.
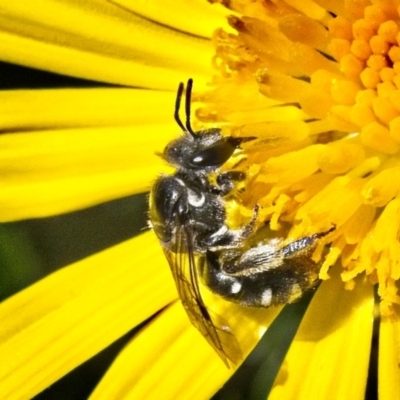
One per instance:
(331, 155)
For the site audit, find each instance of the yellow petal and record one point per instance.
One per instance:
(174, 13)
(169, 359)
(389, 358)
(60, 108)
(100, 41)
(52, 172)
(53, 326)
(329, 356)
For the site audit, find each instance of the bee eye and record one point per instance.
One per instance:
(214, 155)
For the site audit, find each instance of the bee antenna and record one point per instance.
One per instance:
(188, 101)
(178, 106)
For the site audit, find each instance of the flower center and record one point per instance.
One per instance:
(367, 50)
(319, 88)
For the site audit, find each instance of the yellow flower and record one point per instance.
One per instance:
(328, 154)
(314, 81)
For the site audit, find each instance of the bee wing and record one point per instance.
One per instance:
(184, 266)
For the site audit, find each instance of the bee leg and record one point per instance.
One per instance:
(304, 244)
(226, 181)
(270, 255)
(248, 229)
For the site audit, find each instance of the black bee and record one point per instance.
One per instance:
(187, 213)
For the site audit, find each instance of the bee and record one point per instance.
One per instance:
(187, 213)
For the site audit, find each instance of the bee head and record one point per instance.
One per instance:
(207, 150)
(204, 150)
